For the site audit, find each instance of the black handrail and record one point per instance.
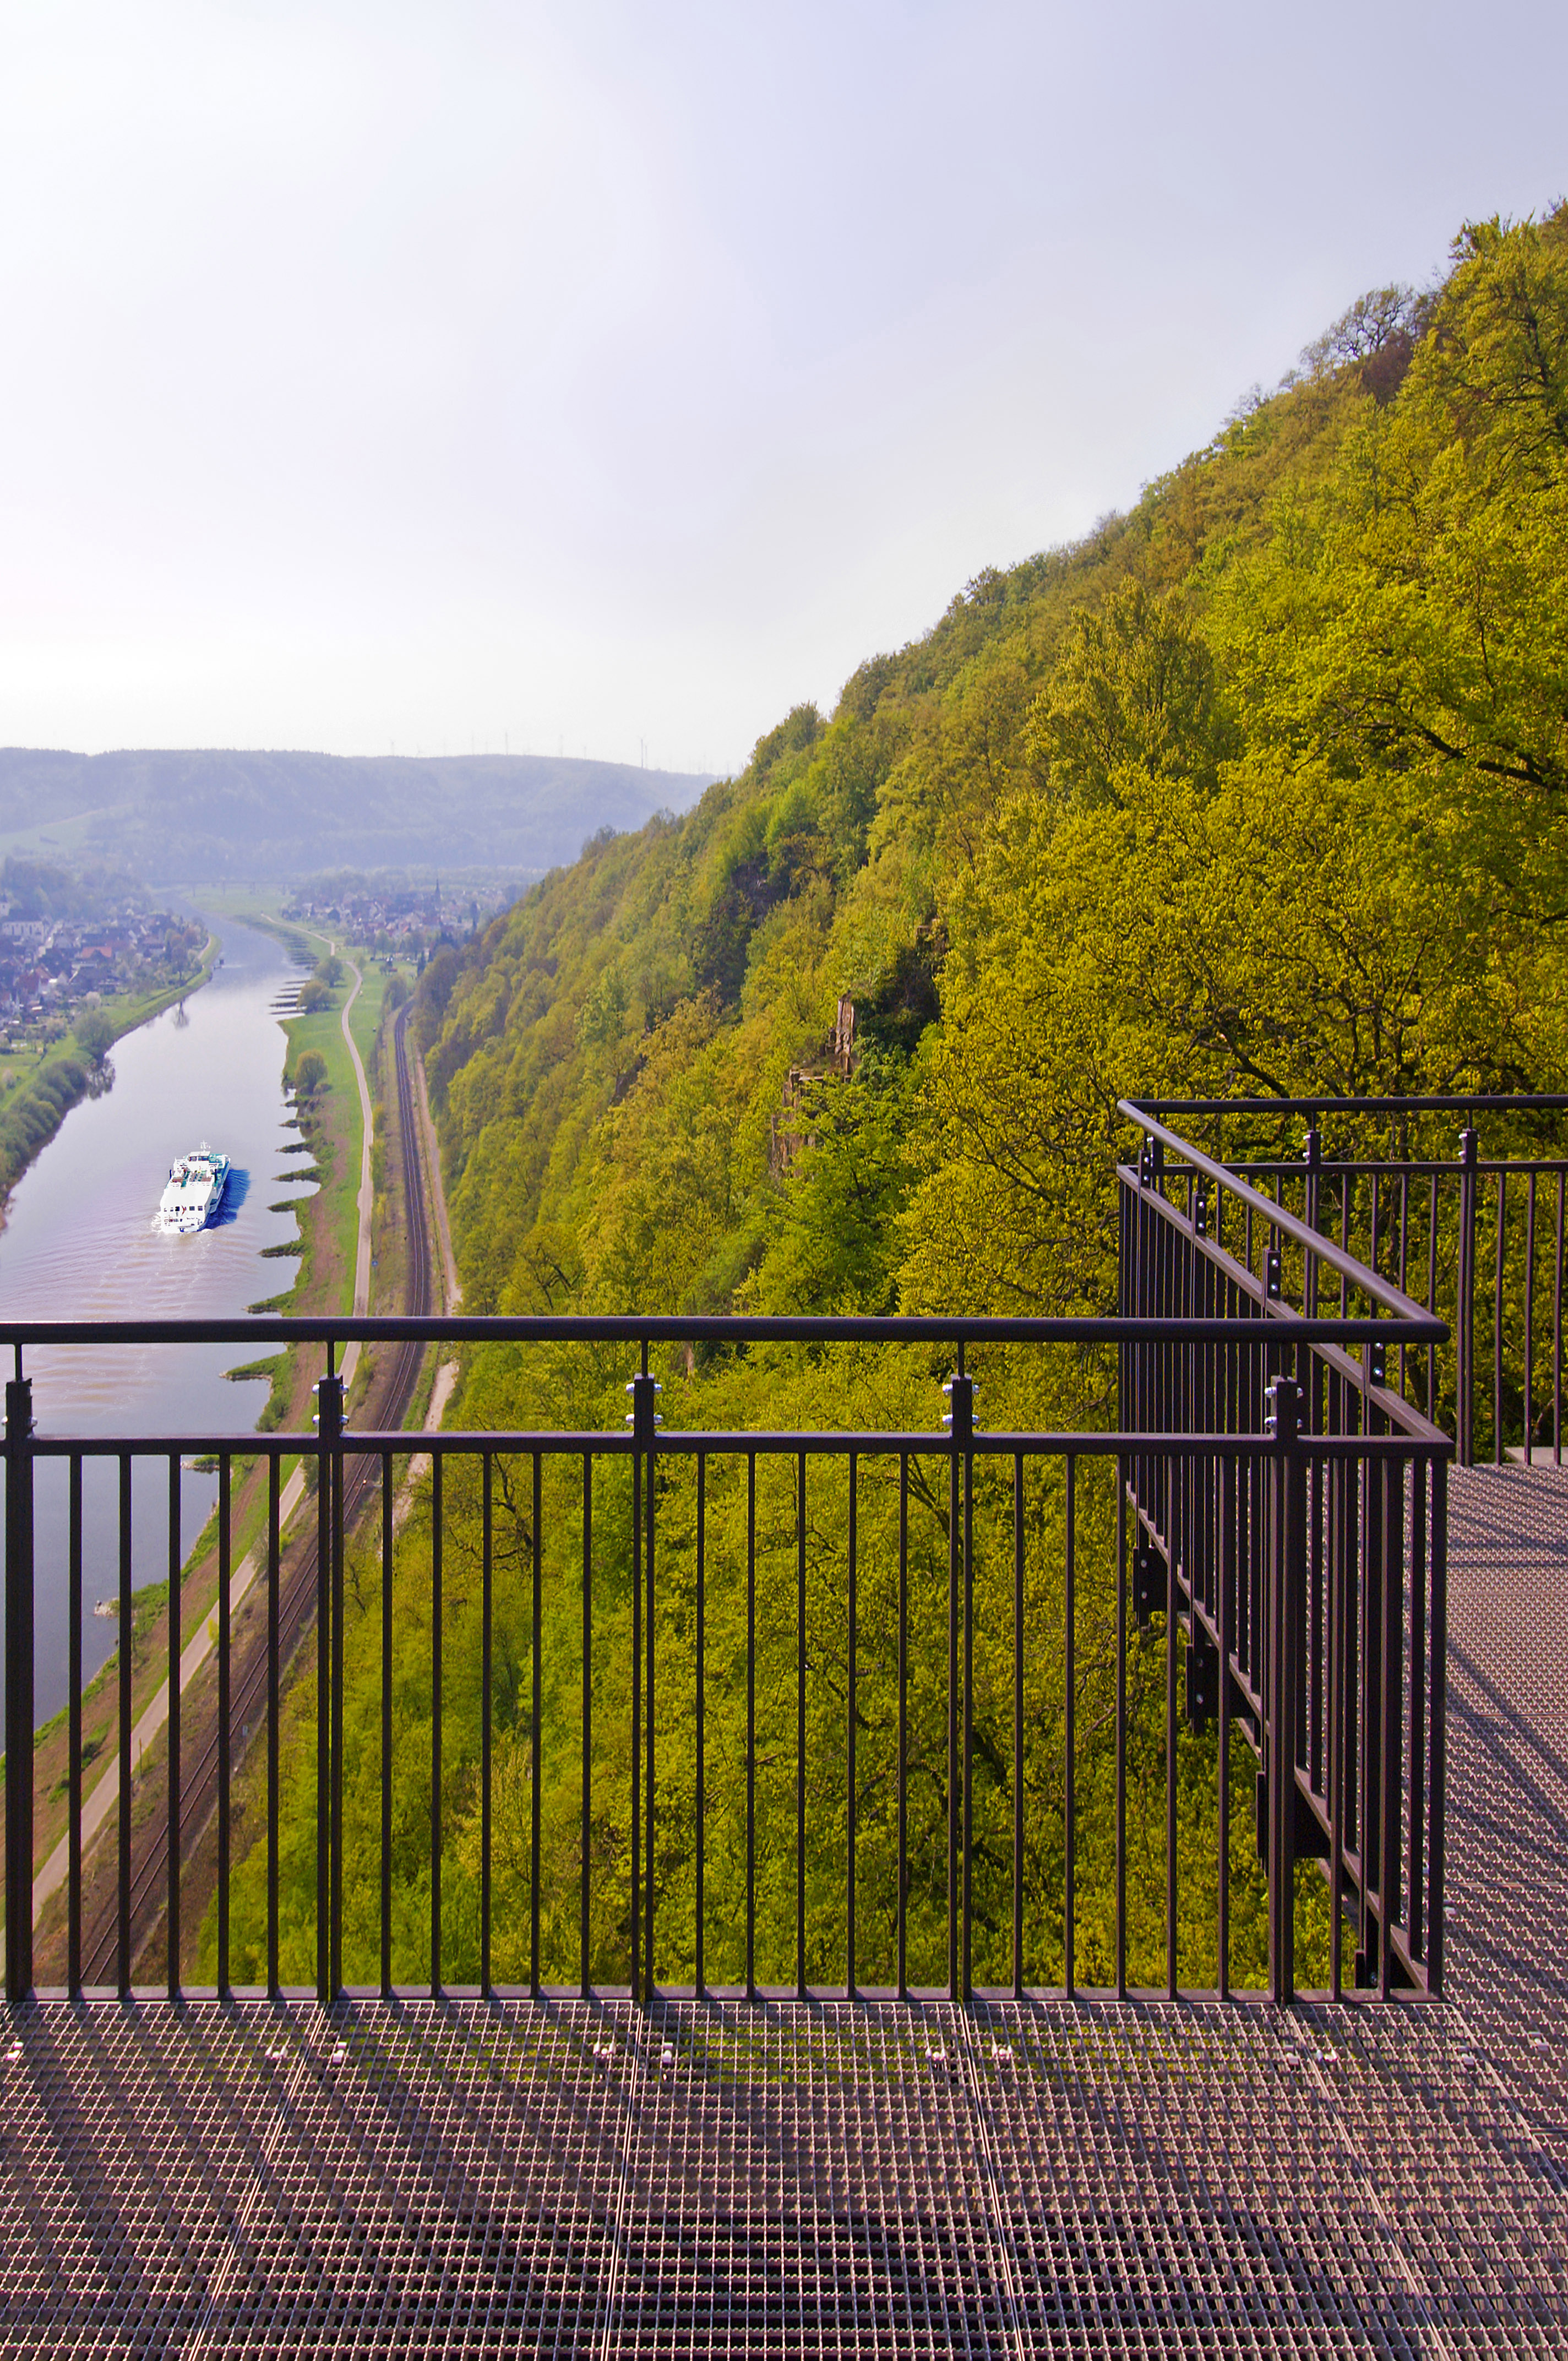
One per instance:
(1451, 1103)
(1484, 1239)
(634, 1328)
(1413, 1320)
(1241, 1417)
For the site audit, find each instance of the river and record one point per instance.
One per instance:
(79, 1243)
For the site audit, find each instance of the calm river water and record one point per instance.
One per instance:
(79, 1243)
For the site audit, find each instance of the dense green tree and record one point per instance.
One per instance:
(1262, 787)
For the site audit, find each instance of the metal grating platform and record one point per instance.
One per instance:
(802, 2181)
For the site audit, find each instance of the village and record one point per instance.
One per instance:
(409, 919)
(49, 966)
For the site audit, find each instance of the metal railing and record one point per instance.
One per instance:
(1337, 1674)
(845, 1703)
(1459, 1203)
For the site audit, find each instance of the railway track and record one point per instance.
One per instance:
(391, 1391)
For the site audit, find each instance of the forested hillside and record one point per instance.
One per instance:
(207, 816)
(1261, 789)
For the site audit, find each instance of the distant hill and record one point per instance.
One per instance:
(207, 816)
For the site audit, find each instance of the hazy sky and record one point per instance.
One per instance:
(378, 373)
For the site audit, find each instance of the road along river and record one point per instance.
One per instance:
(79, 1243)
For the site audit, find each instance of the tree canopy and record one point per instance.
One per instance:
(1262, 787)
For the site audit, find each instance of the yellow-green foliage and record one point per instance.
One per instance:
(1260, 789)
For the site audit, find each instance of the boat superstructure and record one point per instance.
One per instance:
(194, 1190)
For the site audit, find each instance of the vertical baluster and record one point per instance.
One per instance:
(324, 1686)
(386, 1724)
(172, 1837)
(19, 1692)
(637, 1690)
(1376, 1224)
(1120, 1729)
(699, 1968)
(1172, 1621)
(1416, 1835)
(437, 1475)
(535, 1737)
(1017, 1725)
(1557, 1330)
(1353, 1579)
(1404, 1268)
(1464, 1322)
(1530, 1321)
(1070, 1735)
(1375, 1577)
(800, 1730)
(969, 1716)
(586, 1846)
(1316, 1685)
(1286, 1558)
(1497, 1324)
(1335, 1776)
(1390, 1715)
(849, 1757)
(1229, 1482)
(903, 1721)
(955, 1530)
(487, 1708)
(224, 1478)
(74, 1801)
(751, 1725)
(1436, 1657)
(1432, 1298)
(336, 1473)
(126, 1683)
(274, 1484)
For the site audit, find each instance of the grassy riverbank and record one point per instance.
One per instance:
(40, 1083)
(323, 1275)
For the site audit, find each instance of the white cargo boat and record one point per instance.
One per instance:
(194, 1190)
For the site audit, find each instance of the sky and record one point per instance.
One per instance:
(607, 378)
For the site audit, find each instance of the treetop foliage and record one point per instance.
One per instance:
(1262, 787)
(1259, 786)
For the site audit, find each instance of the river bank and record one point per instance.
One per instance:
(66, 1073)
(331, 1172)
(80, 1243)
(388, 1402)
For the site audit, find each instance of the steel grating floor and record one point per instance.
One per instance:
(805, 2180)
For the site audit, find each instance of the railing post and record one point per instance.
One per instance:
(1313, 1157)
(329, 1428)
(645, 1421)
(1286, 1566)
(959, 1418)
(1465, 1313)
(18, 1687)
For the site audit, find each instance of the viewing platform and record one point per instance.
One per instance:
(1384, 2171)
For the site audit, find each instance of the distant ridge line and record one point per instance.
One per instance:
(217, 813)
